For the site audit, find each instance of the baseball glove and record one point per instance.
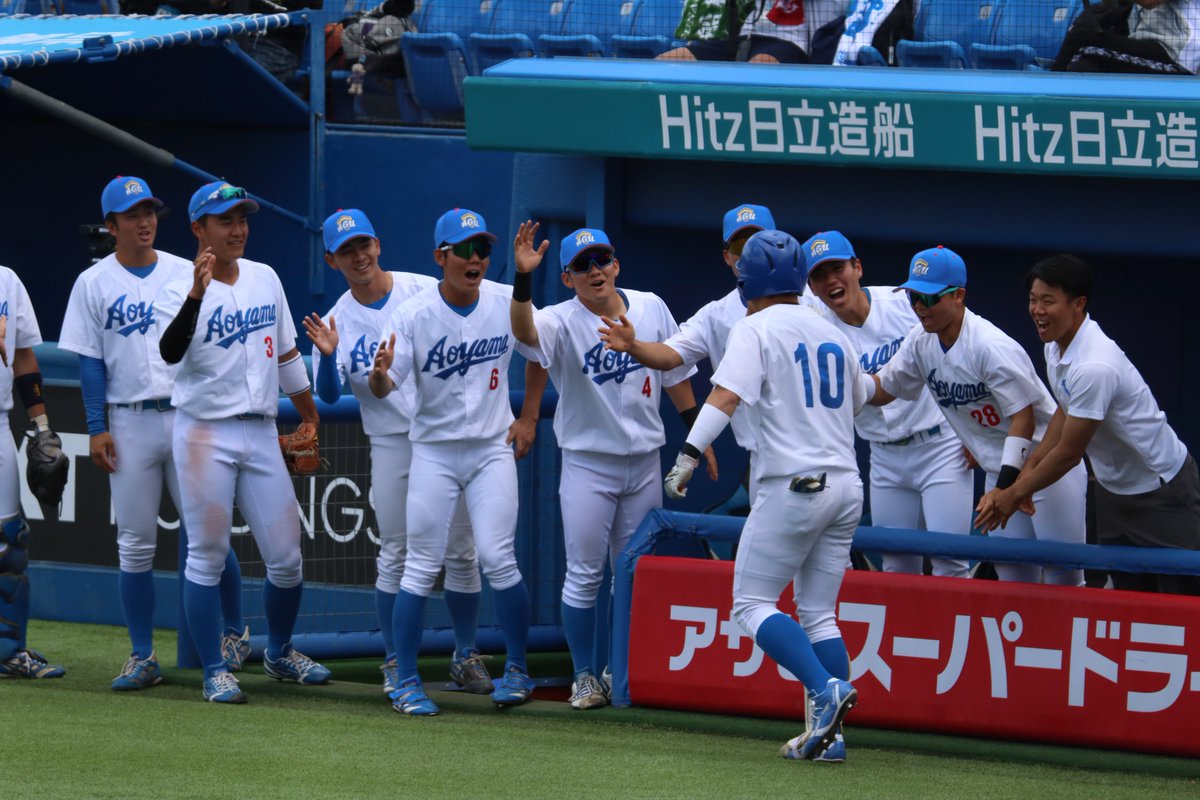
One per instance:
(301, 453)
(46, 468)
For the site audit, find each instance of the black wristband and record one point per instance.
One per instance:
(178, 335)
(688, 415)
(1008, 476)
(523, 287)
(29, 388)
(690, 451)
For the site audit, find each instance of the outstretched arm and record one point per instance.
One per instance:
(684, 401)
(620, 336)
(526, 258)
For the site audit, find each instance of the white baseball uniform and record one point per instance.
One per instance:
(22, 331)
(610, 430)
(111, 316)
(979, 383)
(798, 377)
(225, 439)
(461, 415)
(919, 477)
(704, 335)
(386, 423)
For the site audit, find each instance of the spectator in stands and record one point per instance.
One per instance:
(1147, 484)
(760, 31)
(1145, 36)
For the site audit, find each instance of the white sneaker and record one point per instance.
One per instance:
(586, 692)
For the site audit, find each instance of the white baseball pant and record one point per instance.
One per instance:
(142, 440)
(1061, 517)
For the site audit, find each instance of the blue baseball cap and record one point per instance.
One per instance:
(345, 224)
(583, 239)
(827, 246)
(935, 269)
(217, 198)
(458, 225)
(124, 192)
(745, 216)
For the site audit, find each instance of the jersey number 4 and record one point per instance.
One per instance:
(832, 396)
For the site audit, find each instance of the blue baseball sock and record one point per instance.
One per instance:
(464, 616)
(137, 601)
(579, 625)
(408, 621)
(385, 604)
(282, 607)
(512, 610)
(833, 656)
(202, 607)
(231, 595)
(782, 638)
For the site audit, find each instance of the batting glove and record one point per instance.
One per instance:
(677, 479)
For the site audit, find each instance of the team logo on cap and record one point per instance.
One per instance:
(469, 220)
(133, 186)
(820, 246)
(746, 215)
(584, 238)
(345, 223)
(920, 267)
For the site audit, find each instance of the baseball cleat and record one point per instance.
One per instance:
(514, 688)
(829, 708)
(410, 698)
(391, 676)
(29, 664)
(295, 666)
(834, 754)
(235, 649)
(471, 674)
(587, 692)
(138, 673)
(223, 688)
(606, 683)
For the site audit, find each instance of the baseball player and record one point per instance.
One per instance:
(703, 335)
(988, 392)
(19, 371)
(607, 424)
(455, 342)
(110, 322)
(230, 330)
(797, 376)
(919, 477)
(1147, 486)
(344, 345)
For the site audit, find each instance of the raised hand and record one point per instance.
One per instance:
(525, 256)
(618, 335)
(325, 337)
(380, 382)
(202, 273)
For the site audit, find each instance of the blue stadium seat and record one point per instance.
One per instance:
(516, 26)
(435, 58)
(589, 27)
(869, 56)
(1025, 33)
(653, 30)
(945, 30)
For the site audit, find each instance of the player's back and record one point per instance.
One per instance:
(798, 376)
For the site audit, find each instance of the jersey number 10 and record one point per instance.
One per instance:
(831, 396)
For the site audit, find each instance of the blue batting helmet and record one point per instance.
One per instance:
(772, 263)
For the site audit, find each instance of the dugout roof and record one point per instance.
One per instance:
(182, 68)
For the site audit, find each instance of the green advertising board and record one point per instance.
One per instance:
(1020, 131)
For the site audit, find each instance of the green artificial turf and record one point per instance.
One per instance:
(74, 738)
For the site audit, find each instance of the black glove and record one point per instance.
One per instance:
(46, 469)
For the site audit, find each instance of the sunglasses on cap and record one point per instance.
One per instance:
(227, 193)
(929, 300)
(466, 249)
(584, 263)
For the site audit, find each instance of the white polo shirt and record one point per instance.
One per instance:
(1134, 447)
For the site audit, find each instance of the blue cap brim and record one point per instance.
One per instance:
(123, 207)
(337, 243)
(739, 229)
(924, 287)
(469, 234)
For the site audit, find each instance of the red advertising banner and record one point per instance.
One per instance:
(1007, 660)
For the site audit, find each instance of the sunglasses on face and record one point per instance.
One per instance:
(465, 250)
(930, 300)
(736, 245)
(227, 193)
(584, 263)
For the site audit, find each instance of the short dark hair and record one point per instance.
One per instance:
(1064, 271)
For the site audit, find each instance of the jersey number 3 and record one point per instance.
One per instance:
(832, 396)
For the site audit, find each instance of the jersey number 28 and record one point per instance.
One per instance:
(832, 395)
